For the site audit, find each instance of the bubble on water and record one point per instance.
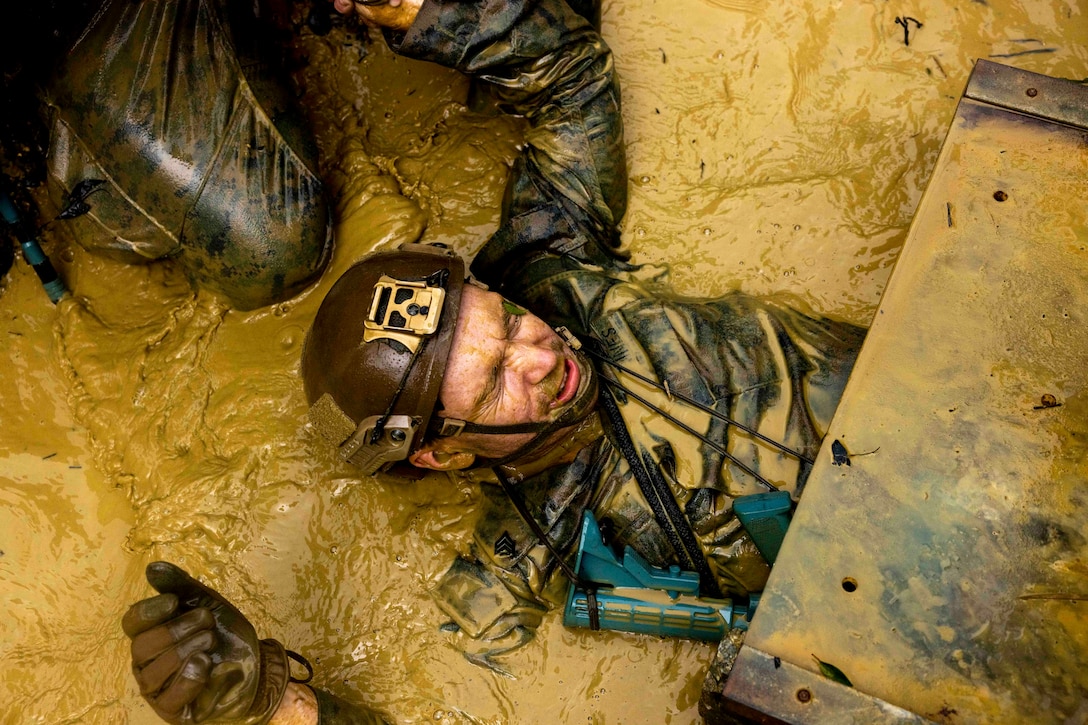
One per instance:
(290, 337)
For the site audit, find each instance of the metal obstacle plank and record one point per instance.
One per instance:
(942, 567)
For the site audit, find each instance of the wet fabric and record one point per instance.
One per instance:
(176, 106)
(766, 365)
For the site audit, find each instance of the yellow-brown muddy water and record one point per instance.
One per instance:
(780, 148)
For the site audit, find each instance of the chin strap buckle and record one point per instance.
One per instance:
(568, 337)
(451, 427)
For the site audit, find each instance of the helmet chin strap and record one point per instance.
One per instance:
(579, 409)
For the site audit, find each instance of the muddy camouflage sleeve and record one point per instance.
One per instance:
(567, 191)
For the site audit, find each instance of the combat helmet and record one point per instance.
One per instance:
(374, 358)
(376, 354)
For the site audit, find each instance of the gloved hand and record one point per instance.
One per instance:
(197, 659)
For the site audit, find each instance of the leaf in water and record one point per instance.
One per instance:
(839, 456)
(84, 189)
(512, 309)
(77, 205)
(74, 209)
(832, 672)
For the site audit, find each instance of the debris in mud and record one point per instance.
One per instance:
(1057, 596)
(832, 672)
(946, 712)
(1033, 51)
(905, 21)
(839, 455)
(77, 201)
(1047, 401)
(939, 66)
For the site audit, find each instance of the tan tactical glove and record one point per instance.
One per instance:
(197, 659)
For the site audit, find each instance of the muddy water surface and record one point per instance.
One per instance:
(779, 150)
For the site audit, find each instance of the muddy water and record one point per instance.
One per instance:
(780, 150)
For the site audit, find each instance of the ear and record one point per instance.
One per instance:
(441, 461)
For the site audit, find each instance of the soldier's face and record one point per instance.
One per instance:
(506, 366)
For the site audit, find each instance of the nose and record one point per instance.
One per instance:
(533, 363)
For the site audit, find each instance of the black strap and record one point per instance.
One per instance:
(655, 489)
(302, 661)
(523, 511)
(439, 427)
(695, 403)
(680, 424)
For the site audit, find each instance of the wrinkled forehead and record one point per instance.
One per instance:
(482, 313)
(483, 325)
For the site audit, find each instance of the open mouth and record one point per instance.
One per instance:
(568, 386)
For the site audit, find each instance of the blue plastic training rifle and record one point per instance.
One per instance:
(765, 516)
(32, 251)
(634, 596)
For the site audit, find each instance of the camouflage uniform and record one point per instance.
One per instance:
(768, 366)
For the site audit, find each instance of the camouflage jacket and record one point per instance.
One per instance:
(761, 363)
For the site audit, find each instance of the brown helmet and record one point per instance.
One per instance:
(374, 358)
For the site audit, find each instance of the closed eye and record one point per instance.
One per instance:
(492, 389)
